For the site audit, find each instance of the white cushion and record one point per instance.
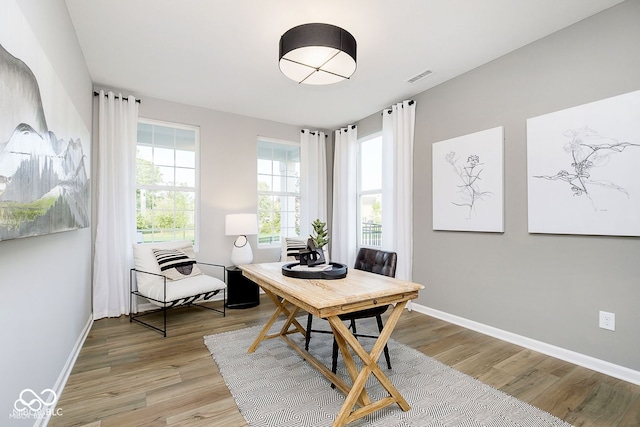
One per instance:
(153, 286)
(183, 288)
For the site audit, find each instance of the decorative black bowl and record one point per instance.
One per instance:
(337, 271)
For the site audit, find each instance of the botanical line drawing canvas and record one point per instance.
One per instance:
(44, 169)
(468, 182)
(582, 162)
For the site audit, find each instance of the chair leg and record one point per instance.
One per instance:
(307, 336)
(334, 360)
(386, 349)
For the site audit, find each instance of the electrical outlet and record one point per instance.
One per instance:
(608, 320)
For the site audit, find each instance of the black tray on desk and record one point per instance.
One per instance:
(337, 271)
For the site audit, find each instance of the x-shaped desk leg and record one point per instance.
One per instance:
(281, 308)
(345, 339)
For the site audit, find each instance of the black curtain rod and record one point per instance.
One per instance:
(313, 133)
(346, 129)
(389, 109)
(117, 97)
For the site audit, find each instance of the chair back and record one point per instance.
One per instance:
(376, 261)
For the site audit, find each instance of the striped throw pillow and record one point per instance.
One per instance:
(177, 264)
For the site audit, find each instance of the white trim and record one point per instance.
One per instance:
(183, 126)
(67, 368)
(602, 366)
(278, 141)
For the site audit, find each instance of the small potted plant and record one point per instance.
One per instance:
(320, 237)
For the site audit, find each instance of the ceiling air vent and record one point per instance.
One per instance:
(420, 76)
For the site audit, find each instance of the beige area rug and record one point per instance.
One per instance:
(274, 386)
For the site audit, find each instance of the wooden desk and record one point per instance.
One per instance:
(328, 299)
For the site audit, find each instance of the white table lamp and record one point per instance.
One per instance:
(241, 225)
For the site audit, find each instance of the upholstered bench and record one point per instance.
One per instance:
(168, 275)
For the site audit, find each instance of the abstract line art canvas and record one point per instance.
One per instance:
(583, 169)
(44, 168)
(468, 182)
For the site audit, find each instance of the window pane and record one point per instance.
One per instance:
(163, 156)
(152, 196)
(191, 220)
(186, 159)
(145, 132)
(185, 140)
(279, 183)
(264, 151)
(165, 175)
(371, 164)
(144, 153)
(279, 168)
(279, 153)
(292, 185)
(187, 235)
(185, 177)
(163, 137)
(264, 166)
(186, 200)
(264, 182)
(371, 220)
(293, 168)
(371, 208)
(144, 172)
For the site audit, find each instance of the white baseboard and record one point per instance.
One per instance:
(67, 368)
(570, 356)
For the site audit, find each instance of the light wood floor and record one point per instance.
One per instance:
(129, 375)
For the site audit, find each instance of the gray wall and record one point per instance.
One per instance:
(45, 281)
(545, 287)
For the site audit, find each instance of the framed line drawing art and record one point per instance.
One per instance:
(582, 169)
(468, 182)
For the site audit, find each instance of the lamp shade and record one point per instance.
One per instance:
(317, 54)
(241, 224)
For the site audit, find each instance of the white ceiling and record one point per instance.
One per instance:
(223, 54)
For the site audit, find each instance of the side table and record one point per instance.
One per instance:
(241, 292)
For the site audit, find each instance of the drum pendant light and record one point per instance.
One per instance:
(317, 54)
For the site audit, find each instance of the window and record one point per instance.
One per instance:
(370, 191)
(278, 191)
(166, 181)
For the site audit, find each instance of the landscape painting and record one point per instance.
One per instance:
(468, 182)
(44, 170)
(582, 168)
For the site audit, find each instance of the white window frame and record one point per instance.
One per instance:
(274, 193)
(360, 192)
(196, 190)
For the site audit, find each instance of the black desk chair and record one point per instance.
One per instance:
(374, 261)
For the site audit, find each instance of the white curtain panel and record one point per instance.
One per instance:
(398, 124)
(115, 212)
(345, 215)
(313, 171)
